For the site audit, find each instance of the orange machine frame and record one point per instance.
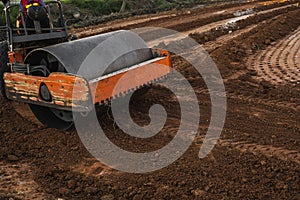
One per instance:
(26, 88)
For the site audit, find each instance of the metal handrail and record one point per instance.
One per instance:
(11, 30)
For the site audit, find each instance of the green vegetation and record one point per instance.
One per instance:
(105, 7)
(97, 7)
(92, 9)
(2, 16)
(14, 12)
(163, 4)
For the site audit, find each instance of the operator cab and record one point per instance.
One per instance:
(36, 33)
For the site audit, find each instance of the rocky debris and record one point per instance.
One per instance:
(12, 158)
(108, 197)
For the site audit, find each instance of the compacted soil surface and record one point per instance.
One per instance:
(255, 46)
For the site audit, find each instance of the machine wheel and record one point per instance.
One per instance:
(51, 117)
(3, 65)
(68, 57)
(72, 37)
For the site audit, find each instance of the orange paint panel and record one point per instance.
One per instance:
(26, 88)
(61, 86)
(131, 79)
(15, 57)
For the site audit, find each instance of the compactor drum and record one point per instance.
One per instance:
(57, 77)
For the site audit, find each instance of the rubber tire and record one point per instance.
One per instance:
(3, 66)
(73, 37)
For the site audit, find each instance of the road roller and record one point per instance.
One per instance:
(57, 75)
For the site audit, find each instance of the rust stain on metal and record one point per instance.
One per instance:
(25, 87)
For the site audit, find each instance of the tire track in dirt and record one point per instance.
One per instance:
(170, 18)
(279, 64)
(267, 102)
(17, 180)
(265, 150)
(269, 151)
(222, 26)
(92, 167)
(213, 45)
(189, 20)
(227, 22)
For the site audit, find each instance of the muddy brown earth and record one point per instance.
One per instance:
(257, 156)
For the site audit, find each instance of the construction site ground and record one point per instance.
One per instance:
(256, 47)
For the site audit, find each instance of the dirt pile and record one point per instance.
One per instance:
(241, 24)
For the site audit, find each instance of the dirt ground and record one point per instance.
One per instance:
(257, 156)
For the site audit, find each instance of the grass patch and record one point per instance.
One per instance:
(14, 12)
(97, 7)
